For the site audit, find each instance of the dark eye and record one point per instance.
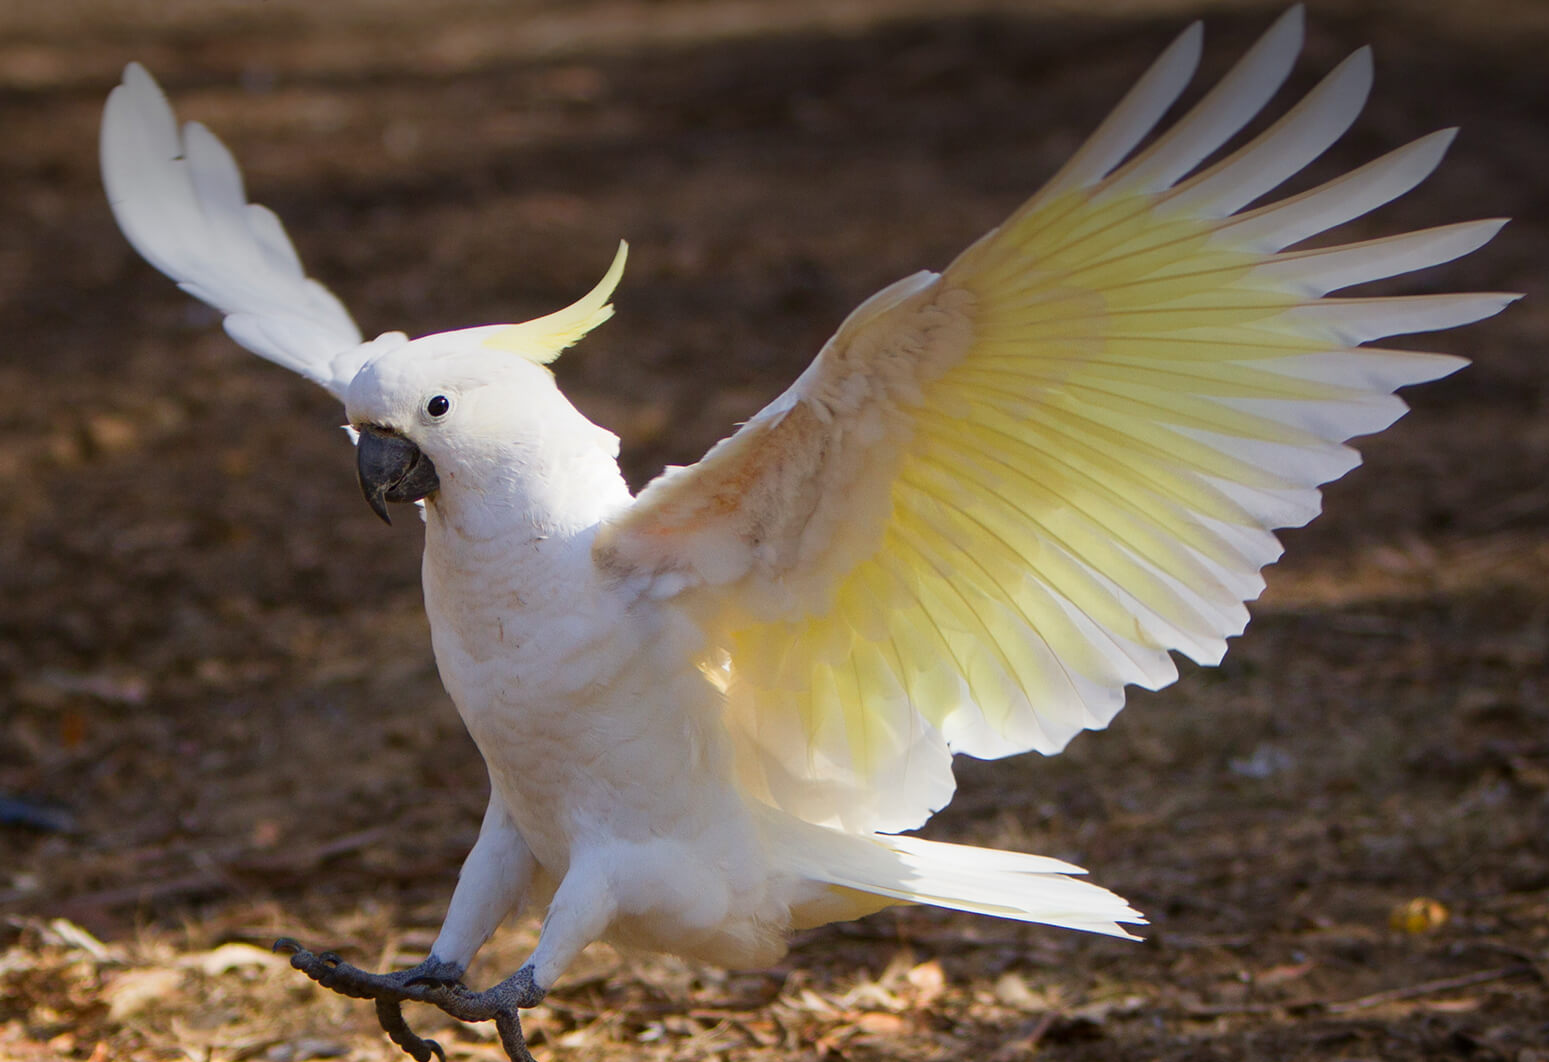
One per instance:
(438, 406)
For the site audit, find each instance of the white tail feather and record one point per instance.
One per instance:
(989, 881)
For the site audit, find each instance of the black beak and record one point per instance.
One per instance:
(391, 469)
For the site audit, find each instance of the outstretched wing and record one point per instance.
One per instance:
(178, 198)
(1001, 494)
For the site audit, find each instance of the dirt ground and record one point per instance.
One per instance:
(214, 665)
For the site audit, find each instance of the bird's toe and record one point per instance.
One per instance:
(389, 1015)
(434, 982)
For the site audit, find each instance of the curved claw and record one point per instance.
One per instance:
(509, 1025)
(389, 1015)
(432, 982)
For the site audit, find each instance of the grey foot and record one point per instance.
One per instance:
(430, 982)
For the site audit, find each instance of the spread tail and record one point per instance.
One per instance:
(866, 872)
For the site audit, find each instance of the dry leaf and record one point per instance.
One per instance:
(928, 981)
(877, 1023)
(134, 990)
(1279, 975)
(1012, 991)
(1420, 915)
(234, 956)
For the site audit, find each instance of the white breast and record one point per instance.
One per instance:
(606, 743)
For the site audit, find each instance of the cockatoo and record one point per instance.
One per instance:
(999, 495)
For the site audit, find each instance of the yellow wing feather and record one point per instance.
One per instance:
(1001, 495)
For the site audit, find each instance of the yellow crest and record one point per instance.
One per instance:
(541, 339)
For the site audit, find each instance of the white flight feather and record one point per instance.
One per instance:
(1134, 116)
(1321, 270)
(1222, 467)
(1277, 225)
(1225, 109)
(1305, 132)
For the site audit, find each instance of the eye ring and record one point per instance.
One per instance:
(438, 406)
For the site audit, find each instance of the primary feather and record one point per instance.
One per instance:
(1003, 493)
(1000, 495)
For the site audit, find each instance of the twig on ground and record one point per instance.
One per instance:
(1429, 988)
(1375, 999)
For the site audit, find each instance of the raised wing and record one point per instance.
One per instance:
(1001, 494)
(178, 198)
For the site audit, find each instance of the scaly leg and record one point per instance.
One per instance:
(501, 1004)
(580, 912)
(493, 881)
(425, 983)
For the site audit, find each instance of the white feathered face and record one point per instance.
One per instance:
(425, 410)
(448, 406)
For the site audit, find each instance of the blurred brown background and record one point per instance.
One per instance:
(213, 664)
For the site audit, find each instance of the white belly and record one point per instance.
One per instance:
(606, 745)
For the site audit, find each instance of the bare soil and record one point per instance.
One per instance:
(215, 671)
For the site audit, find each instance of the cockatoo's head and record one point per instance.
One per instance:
(476, 404)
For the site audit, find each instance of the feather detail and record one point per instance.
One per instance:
(859, 869)
(542, 339)
(1002, 494)
(179, 199)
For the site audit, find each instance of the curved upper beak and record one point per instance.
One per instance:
(391, 469)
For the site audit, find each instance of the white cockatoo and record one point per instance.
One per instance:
(999, 495)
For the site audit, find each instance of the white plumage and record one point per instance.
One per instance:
(998, 496)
